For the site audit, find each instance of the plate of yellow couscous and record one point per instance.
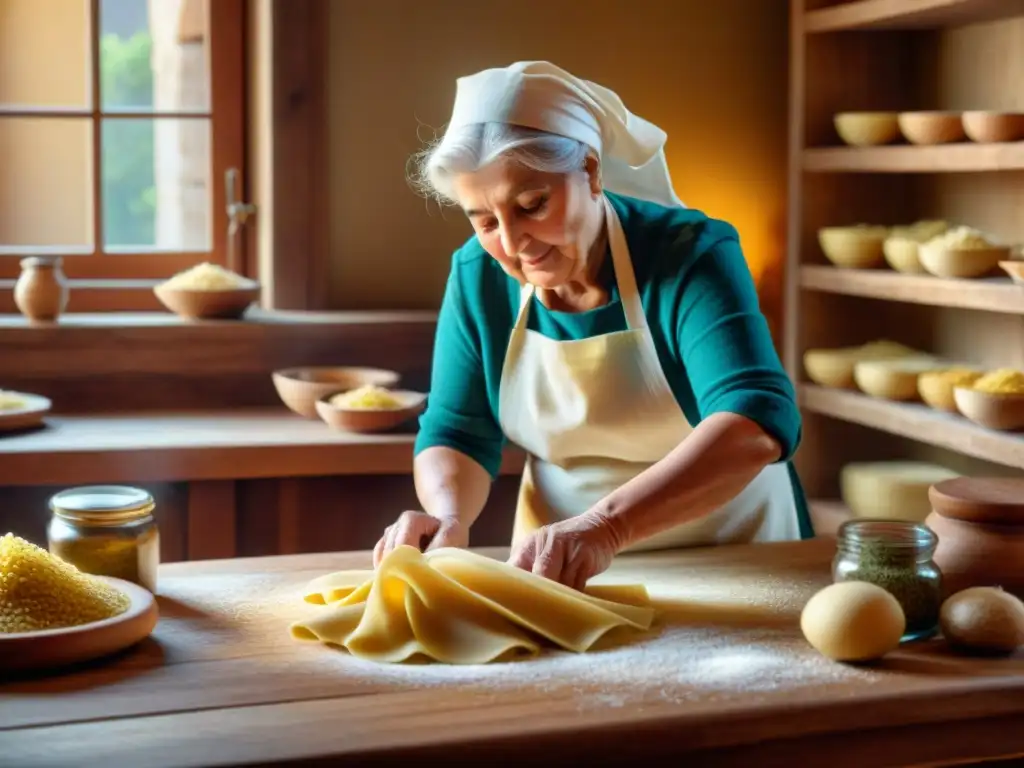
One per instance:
(53, 615)
(21, 410)
(370, 408)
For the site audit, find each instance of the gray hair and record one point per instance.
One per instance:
(471, 147)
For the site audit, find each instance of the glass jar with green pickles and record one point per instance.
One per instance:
(107, 530)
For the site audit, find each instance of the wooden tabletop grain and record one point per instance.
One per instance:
(725, 679)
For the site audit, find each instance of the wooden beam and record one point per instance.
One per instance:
(295, 193)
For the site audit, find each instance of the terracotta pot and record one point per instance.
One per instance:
(980, 525)
(41, 293)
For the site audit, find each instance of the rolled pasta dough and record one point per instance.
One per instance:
(457, 607)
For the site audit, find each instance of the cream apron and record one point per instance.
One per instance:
(594, 413)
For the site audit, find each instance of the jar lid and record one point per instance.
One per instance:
(101, 498)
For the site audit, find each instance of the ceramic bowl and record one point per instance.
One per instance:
(858, 247)
(300, 388)
(830, 367)
(893, 379)
(1001, 412)
(901, 254)
(931, 127)
(867, 129)
(961, 262)
(372, 419)
(229, 304)
(993, 127)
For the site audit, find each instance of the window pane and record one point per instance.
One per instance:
(44, 53)
(153, 56)
(156, 184)
(45, 183)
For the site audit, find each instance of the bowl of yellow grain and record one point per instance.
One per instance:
(370, 408)
(300, 388)
(936, 387)
(961, 252)
(52, 614)
(995, 400)
(208, 292)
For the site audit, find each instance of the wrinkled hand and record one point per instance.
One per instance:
(422, 531)
(570, 551)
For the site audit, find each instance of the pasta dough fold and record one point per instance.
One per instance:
(457, 607)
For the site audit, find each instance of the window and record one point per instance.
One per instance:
(119, 122)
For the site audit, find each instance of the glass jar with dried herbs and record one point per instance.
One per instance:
(896, 556)
(107, 530)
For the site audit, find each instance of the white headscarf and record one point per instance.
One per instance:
(539, 95)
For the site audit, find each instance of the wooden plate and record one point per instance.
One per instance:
(997, 500)
(30, 414)
(52, 648)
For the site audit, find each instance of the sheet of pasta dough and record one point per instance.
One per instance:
(457, 607)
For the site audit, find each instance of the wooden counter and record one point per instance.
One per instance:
(727, 680)
(235, 444)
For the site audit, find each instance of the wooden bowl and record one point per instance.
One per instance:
(961, 262)
(300, 388)
(993, 127)
(1002, 412)
(931, 127)
(937, 391)
(55, 648)
(858, 247)
(893, 379)
(372, 419)
(229, 304)
(980, 525)
(867, 129)
(1015, 269)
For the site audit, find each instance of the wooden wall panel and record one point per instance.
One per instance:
(24, 511)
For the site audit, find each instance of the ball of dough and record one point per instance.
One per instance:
(983, 619)
(853, 621)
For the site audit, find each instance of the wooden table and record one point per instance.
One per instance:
(728, 680)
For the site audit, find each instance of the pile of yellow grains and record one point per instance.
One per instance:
(1004, 381)
(39, 591)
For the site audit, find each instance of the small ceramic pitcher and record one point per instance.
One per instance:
(41, 292)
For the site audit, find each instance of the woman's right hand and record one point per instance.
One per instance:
(420, 530)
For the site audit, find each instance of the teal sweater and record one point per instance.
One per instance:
(701, 305)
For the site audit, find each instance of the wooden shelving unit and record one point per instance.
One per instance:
(987, 295)
(908, 14)
(895, 55)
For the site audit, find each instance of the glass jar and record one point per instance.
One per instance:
(107, 530)
(896, 556)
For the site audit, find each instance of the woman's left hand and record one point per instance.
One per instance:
(569, 551)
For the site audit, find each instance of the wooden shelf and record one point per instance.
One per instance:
(201, 445)
(909, 14)
(990, 295)
(903, 158)
(917, 422)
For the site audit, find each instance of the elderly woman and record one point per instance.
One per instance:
(609, 331)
